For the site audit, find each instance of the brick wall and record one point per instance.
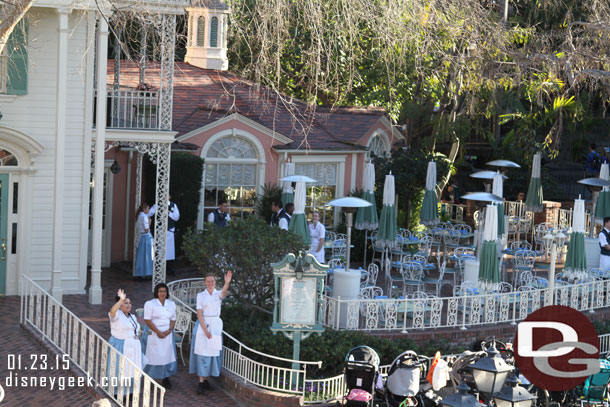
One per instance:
(253, 396)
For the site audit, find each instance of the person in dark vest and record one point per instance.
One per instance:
(289, 208)
(220, 216)
(280, 217)
(604, 244)
(173, 216)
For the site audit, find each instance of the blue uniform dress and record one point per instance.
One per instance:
(125, 340)
(206, 354)
(160, 352)
(144, 251)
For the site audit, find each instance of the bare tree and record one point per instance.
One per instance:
(11, 12)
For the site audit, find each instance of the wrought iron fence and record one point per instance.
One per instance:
(128, 108)
(114, 373)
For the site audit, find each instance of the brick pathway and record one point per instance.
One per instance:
(16, 340)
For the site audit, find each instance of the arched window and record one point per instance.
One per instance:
(214, 32)
(200, 31)
(231, 169)
(378, 146)
(7, 159)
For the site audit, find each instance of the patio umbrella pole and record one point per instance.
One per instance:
(349, 217)
(552, 274)
(594, 197)
(366, 240)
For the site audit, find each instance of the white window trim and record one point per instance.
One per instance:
(261, 161)
(386, 141)
(325, 159)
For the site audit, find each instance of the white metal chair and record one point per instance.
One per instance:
(412, 274)
(439, 281)
(182, 330)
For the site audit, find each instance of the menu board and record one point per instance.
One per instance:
(298, 303)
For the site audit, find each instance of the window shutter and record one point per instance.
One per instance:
(214, 32)
(17, 60)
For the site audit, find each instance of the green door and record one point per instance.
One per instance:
(4, 185)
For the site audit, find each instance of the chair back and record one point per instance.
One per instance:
(522, 245)
(462, 226)
(336, 263)
(524, 258)
(411, 271)
(372, 273)
(183, 322)
(418, 258)
(370, 292)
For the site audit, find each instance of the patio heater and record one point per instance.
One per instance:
(595, 186)
(349, 205)
(487, 177)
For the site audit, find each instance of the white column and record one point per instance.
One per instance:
(163, 167)
(137, 203)
(95, 291)
(60, 144)
(128, 220)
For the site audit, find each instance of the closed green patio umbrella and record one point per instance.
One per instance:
(366, 218)
(603, 201)
(533, 201)
(576, 259)
(287, 191)
(489, 274)
(386, 235)
(429, 209)
(498, 189)
(298, 222)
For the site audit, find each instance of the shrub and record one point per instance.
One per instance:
(248, 247)
(263, 204)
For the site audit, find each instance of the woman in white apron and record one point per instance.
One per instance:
(317, 231)
(206, 345)
(144, 245)
(125, 338)
(160, 343)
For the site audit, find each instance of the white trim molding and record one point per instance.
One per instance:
(242, 119)
(24, 147)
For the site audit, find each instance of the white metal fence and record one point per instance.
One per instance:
(453, 212)
(458, 311)
(263, 370)
(129, 108)
(86, 349)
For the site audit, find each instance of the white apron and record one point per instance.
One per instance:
(160, 351)
(604, 262)
(209, 304)
(317, 233)
(122, 328)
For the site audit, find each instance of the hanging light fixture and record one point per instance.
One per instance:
(115, 168)
(490, 372)
(513, 395)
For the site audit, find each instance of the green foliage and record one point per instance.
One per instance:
(185, 190)
(263, 204)
(248, 247)
(330, 347)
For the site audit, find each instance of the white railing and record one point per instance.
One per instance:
(85, 349)
(458, 311)
(454, 212)
(268, 374)
(565, 218)
(129, 108)
(604, 344)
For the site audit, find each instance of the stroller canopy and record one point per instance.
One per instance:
(363, 354)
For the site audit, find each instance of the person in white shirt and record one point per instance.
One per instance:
(317, 231)
(173, 216)
(125, 338)
(280, 217)
(220, 216)
(144, 245)
(160, 343)
(604, 244)
(206, 345)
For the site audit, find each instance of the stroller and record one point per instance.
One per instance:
(361, 372)
(595, 388)
(404, 379)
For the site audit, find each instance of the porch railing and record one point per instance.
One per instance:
(459, 312)
(454, 212)
(128, 108)
(115, 374)
(262, 370)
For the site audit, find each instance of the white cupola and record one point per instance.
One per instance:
(208, 22)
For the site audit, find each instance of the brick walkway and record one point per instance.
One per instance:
(16, 340)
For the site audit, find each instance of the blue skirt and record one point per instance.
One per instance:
(144, 256)
(118, 344)
(203, 366)
(159, 371)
